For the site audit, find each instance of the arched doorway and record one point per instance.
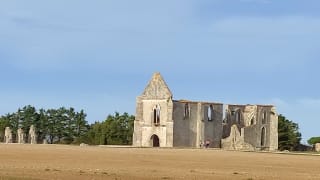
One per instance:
(155, 141)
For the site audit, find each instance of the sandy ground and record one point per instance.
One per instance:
(74, 162)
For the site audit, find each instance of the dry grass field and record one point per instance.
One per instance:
(74, 162)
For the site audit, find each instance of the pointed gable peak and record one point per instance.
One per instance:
(157, 88)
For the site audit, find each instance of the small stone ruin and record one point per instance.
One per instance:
(20, 135)
(317, 147)
(8, 135)
(32, 135)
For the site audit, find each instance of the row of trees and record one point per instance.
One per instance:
(67, 126)
(54, 125)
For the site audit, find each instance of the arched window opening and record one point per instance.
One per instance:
(186, 114)
(227, 116)
(238, 116)
(264, 117)
(210, 113)
(263, 137)
(156, 115)
(252, 121)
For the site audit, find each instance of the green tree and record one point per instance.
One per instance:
(43, 125)
(28, 116)
(314, 140)
(115, 130)
(289, 135)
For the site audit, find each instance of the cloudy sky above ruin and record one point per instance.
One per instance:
(99, 55)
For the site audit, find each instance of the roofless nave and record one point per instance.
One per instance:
(164, 122)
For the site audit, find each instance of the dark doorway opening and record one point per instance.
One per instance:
(155, 141)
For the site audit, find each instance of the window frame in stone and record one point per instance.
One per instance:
(238, 116)
(264, 117)
(186, 112)
(156, 115)
(210, 113)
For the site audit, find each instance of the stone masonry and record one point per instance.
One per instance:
(32, 135)
(8, 135)
(164, 122)
(317, 147)
(20, 135)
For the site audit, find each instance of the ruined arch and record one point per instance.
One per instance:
(238, 116)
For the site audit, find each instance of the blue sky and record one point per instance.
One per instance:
(99, 55)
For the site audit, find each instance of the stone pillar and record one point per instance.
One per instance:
(273, 134)
(199, 138)
(8, 135)
(317, 147)
(20, 135)
(32, 135)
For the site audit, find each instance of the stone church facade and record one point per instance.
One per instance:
(163, 122)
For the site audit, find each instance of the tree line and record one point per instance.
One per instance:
(67, 126)
(60, 125)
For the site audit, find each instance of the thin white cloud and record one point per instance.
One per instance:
(268, 26)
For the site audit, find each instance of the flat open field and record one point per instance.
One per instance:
(74, 162)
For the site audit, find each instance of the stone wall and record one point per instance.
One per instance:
(194, 127)
(185, 126)
(236, 140)
(212, 125)
(257, 125)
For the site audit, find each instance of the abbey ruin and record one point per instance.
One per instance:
(164, 122)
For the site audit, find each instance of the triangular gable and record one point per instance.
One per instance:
(157, 88)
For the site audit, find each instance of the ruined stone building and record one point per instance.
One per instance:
(164, 122)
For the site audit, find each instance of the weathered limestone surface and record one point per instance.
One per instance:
(153, 125)
(317, 147)
(162, 121)
(20, 135)
(236, 140)
(32, 135)
(8, 135)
